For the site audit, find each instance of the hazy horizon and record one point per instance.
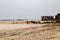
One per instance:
(28, 9)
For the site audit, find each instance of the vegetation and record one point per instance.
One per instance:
(34, 22)
(57, 18)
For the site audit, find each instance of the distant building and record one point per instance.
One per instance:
(51, 18)
(47, 18)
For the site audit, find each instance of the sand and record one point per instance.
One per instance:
(18, 26)
(30, 32)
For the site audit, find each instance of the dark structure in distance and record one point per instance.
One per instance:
(57, 18)
(51, 18)
(47, 18)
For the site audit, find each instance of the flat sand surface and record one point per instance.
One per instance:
(29, 32)
(18, 26)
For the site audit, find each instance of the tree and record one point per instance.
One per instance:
(57, 17)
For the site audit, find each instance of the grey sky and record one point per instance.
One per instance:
(29, 9)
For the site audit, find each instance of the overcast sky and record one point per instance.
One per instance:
(28, 9)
